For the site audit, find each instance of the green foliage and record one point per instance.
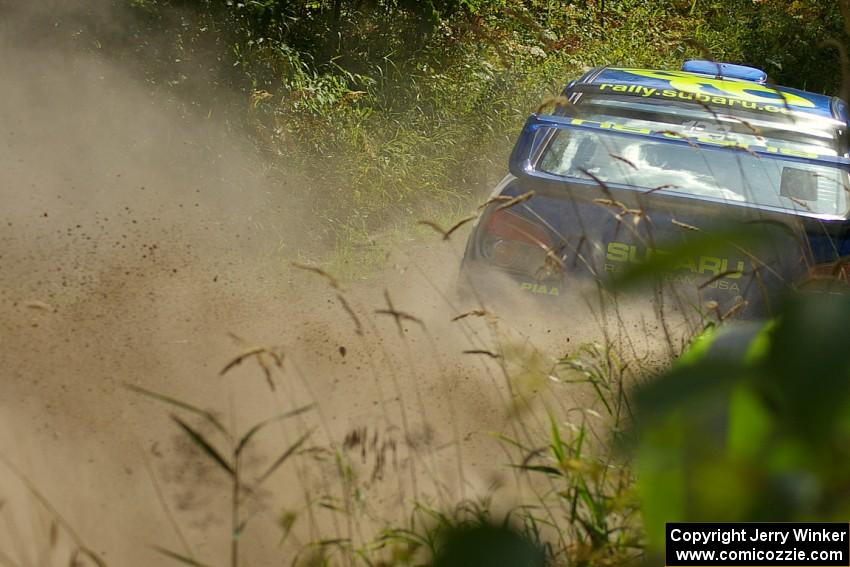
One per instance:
(589, 514)
(754, 426)
(490, 546)
(400, 108)
(467, 534)
(230, 462)
(787, 40)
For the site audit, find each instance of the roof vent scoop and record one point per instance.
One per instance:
(725, 70)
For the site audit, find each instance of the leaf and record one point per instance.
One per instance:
(540, 468)
(557, 442)
(750, 424)
(182, 405)
(204, 444)
(685, 388)
(286, 454)
(332, 281)
(579, 443)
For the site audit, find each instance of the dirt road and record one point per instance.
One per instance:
(138, 248)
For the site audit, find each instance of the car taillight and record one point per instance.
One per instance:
(512, 227)
(515, 243)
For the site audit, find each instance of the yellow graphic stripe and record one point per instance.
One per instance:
(742, 90)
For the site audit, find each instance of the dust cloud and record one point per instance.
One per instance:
(144, 246)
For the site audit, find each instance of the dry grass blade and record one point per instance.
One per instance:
(182, 405)
(484, 352)
(679, 135)
(540, 451)
(275, 356)
(719, 276)
(708, 109)
(754, 130)
(246, 438)
(663, 187)
(447, 233)
(399, 316)
(625, 160)
(734, 309)
(358, 327)
(284, 456)
(178, 557)
(801, 203)
(459, 224)
(205, 445)
(239, 359)
(559, 101)
(496, 199)
(745, 149)
(623, 212)
(684, 225)
(715, 307)
(515, 201)
(433, 225)
(602, 185)
(473, 313)
(334, 283)
(637, 215)
(267, 371)
(610, 203)
(259, 353)
(553, 261)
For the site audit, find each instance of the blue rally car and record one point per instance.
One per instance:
(637, 162)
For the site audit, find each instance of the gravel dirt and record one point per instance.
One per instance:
(138, 247)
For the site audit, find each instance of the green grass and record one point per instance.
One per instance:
(397, 111)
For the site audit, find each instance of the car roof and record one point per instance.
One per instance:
(727, 91)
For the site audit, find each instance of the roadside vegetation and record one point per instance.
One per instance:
(398, 110)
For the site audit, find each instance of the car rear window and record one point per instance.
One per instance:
(721, 173)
